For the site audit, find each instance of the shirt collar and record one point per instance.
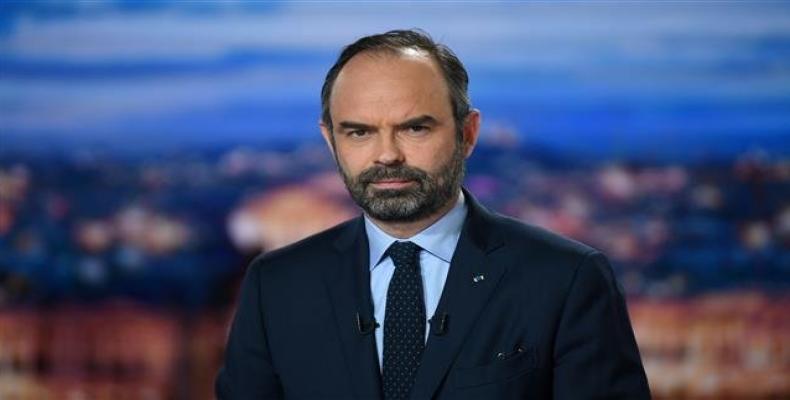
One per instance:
(438, 239)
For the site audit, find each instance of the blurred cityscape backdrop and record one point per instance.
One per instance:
(149, 149)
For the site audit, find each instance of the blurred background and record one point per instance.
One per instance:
(150, 149)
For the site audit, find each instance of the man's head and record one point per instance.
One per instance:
(396, 115)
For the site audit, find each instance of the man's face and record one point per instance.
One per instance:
(394, 136)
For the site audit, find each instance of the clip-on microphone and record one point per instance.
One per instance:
(365, 327)
(439, 327)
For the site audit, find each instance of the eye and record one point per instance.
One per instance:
(419, 129)
(357, 133)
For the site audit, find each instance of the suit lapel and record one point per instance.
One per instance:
(348, 283)
(462, 298)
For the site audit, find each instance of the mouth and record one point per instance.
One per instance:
(392, 183)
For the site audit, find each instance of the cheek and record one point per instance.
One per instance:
(351, 162)
(431, 157)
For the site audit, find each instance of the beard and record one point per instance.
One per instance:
(426, 195)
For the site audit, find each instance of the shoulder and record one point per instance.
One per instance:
(518, 238)
(533, 237)
(556, 263)
(531, 253)
(532, 240)
(304, 256)
(536, 252)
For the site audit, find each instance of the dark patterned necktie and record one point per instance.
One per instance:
(404, 322)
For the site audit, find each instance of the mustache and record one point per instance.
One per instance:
(400, 172)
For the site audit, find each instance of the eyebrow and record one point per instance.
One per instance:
(356, 125)
(421, 120)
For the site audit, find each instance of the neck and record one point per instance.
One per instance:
(405, 230)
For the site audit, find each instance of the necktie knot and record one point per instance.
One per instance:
(404, 254)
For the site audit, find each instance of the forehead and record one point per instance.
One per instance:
(380, 85)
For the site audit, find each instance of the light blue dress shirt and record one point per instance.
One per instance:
(438, 243)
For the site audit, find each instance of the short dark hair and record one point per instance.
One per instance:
(453, 70)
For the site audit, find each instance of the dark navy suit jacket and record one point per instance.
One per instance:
(547, 320)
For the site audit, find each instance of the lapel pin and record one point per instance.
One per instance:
(478, 278)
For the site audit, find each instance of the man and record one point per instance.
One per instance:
(428, 294)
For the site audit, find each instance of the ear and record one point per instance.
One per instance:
(471, 131)
(327, 134)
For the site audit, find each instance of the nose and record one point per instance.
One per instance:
(390, 152)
